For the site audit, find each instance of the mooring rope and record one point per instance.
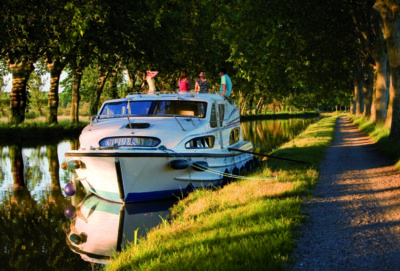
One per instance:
(210, 170)
(270, 156)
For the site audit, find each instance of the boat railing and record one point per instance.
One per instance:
(190, 93)
(184, 93)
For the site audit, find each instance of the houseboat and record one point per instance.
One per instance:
(154, 146)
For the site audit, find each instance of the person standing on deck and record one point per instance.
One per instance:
(202, 85)
(183, 82)
(150, 74)
(226, 83)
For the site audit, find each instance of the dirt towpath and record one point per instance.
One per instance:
(354, 218)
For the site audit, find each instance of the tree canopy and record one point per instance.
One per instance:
(300, 54)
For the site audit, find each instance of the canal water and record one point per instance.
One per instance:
(43, 229)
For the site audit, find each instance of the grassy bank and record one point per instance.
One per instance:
(271, 116)
(38, 132)
(380, 135)
(246, 225)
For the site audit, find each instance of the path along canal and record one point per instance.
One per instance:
(43, 229)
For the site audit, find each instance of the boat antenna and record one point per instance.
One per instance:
(130, 124)
(129, 113)
(129, 108)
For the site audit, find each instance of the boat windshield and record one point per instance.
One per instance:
(154, 108)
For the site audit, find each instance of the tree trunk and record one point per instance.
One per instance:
(56, 197)
(388, 122)
(358, 96)
(131, 80)
(240, 102)
(74, 144)
(368, 90)
(352, 107)
(381, 90)
(20, 74)
(358, 88)
(17, 166)
(134, 79)
(114, 83)
(54, 166)
(55, 69)
(244, 106)
(259, 105)
(367, 101)
(395, 103)
(94, 106)
(251, 104)
(373, 105)
(393, 44)
(77, 75)
(390, 12)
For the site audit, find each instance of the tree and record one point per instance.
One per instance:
(23, 41)
(284, 49)
(373, 58)
(58, 51)
(36, 98)
(390, 12)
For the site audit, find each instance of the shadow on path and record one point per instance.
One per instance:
(354, 219)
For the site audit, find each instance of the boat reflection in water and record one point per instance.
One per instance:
(100, 228)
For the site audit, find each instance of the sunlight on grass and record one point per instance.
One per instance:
(246, 225)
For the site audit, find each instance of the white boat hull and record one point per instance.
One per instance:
(124, 176)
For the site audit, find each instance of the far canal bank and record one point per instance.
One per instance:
(272, 116)
(247, 225)
(34, 133)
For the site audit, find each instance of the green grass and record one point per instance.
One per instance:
(379, 134)
(246, 225)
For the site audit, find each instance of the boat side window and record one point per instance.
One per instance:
(213, 117)
(205, 142)
(234, 136)
(221, 110)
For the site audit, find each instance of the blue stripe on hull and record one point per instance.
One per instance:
(155, 195)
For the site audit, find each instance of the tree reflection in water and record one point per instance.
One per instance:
(269, 134)
(33, 229)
